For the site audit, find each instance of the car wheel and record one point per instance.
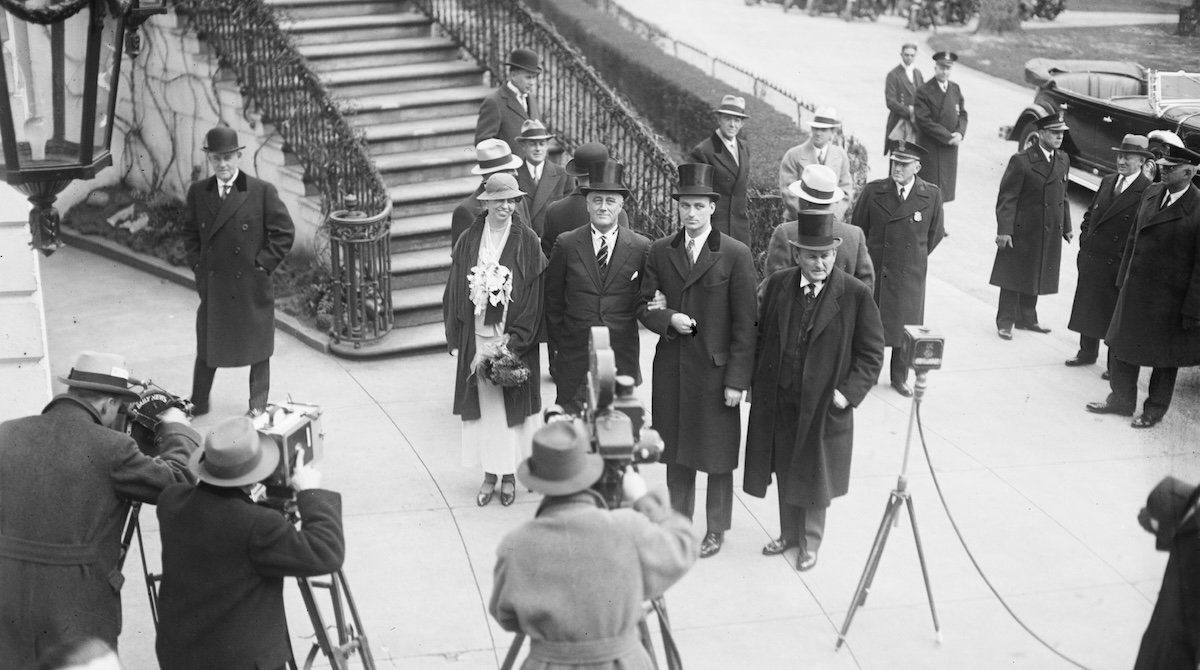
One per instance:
(1028, 135)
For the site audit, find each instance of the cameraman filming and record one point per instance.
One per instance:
(67, 477)
(574, 578)
(224, 557)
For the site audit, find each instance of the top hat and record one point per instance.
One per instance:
(532, 129)
(606, 176)
(592, 152)
(826, 117)
(100, 372)
(1052, 122)
(695, 179)
(560, 464)
(221, 140)
(1171, 155)
(494, 156)
(500, 187)
(234, 454)
(1134, 144)
(818, 184)
(945, 57)
(814, 228)
(733, 105)
(1166, 504)
(903, 151)
(524, 59)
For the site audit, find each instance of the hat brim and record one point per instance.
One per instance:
(605, 188)
(593, 467)
(731, 112)
(222, 150)
(530, 138)
(816, 244)
(838, 194)
(903, 158)
(96, 386)
(537, 69)
(502, 195)
(270, 461)
(822, 124)
(513, 164)
(700, 194)
(1137, 152)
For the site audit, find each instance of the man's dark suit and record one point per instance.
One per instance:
(939, 115)
(578, 296)
(501, 115)
(898, 93)
(554, 185)
(730, 179)
(566, 214)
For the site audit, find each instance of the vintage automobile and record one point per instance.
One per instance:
(1102, 101)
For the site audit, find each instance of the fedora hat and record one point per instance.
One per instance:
(814, 228)
(221, 140)
(560, 463)
(825, 117)
(903, 151)
(606, 176)
(1052, 122)
(585, 155)
(494, 156)
(733, 105)
(532, 129)
(818, 185)
(100, 372)
(1171, 155)
(234, 454)
(524, 59)
(1134, 144)
(500, 187)
(695, 179)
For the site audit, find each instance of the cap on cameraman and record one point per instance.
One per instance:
(560, 463)
(234, 455)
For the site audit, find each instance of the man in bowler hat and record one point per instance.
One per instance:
(236, 231)
(504, 110)
(729, 157)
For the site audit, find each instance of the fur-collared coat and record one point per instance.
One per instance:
(1032, 207)
(730, 179)
(940, 115)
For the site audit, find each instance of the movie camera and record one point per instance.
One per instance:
(142, 415)
(295, 430)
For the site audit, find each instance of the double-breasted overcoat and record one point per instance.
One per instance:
(1032, 207)
(730, 179)
(233, 245)
(940, 115)
(691, 372)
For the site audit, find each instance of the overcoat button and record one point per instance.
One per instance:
(245, 227)
(237, 250)
(237, 275)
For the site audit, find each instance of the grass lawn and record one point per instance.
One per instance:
(1153, 6)
(1004, 56)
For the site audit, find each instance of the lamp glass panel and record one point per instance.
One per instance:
(106, 81)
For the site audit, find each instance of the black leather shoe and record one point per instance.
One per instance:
(1145, 421)
(255, 412)
(1105, 375)
(1107, 408)
(778, 546)
(508, 492)
(807, 560)
(1034, 327)
(902, 388)
(199, 408)
(486, 491)
(711, 544)
(1004, 333)
(1080, 360)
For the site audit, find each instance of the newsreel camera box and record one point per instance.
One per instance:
(923, 348)
(295, 428)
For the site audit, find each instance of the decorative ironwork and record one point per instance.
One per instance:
(360, 260)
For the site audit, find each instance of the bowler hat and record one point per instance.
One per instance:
(1167, 503)
(494, 156)
(1052, 122)
(814, 228)
(695, 179)
(100, 372)
(945, 57)
(592, 152)
(1134, 144)
(818, 184)
(221, 140)
(606, 176)
(500, 186)
(234, 454)
(903, 151)
(1171, 155)
(524, 59)
(733, 105)
(826, 117)
(532, 129)
(560, 464)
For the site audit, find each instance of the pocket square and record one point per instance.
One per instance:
(633, 276)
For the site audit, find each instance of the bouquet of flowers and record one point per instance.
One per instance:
(489, 286)
(504, 368)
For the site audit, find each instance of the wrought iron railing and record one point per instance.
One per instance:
(274, 77)
(574, 101)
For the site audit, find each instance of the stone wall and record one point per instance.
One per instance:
(24, 366)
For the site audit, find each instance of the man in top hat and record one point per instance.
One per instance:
(571, 212)
(730, 160)
(818, 149)
(1033, 218)
(819, 351)
(491, 157)
(67, 477)
(705, 351)
(220, 603)
(236, 231)
(902, 219)
(941, 120)
(1102, 235)
(595, 279)
(1156, 321)
(816, 191)
(545, 181)
(504, 110)
(576, 577)
(1172, 638)
(899, 89)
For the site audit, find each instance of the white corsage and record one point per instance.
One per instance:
(917, 216)
(489, 284)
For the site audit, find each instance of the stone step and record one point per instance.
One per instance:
(418, 305)
(368, 81)
(451, 131)
(424, 267)
(327, 30)
(316, 9)
(400, 342)
(431, 196)
(426, 231)
(423, 166)
(434, 103)
(374, 53)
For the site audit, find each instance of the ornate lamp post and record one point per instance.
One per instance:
(60, 63)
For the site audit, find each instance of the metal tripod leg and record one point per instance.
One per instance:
(868, 573)
(912, 517)
(350, 638)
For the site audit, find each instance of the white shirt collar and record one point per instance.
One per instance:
(611, 236)
(1048, 153)
(698, 243)
(1172, 197)
(535, 169)
(229, 183)
(515, 90)
(944, 85)
(907, 187)
(820, 285)
(731, 143)
(908, 69)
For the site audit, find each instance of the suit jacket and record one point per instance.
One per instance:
(730, 179)
(470, 208)
(1102, 236)
(940, 115)
(220, 604)
(898, 93)
(1032, 207)
(806, 154)
(233, 246)
(554, 185)
(691, 372)
(578, 297)
(65, 486)
(566, 214)
(501, 116)
(852, 256)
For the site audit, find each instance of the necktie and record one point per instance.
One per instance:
(821, 156)
(691, 247)
(602, 255)
(524, 101)
(224, 191)
(810, 292)
(733, 151)
(900, 192)
(535, 171)
(1165, 201)
(1122, 184)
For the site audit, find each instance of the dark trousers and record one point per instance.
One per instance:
(681, 485)
(804, 526)
(1016, 309)
(899, 366)
(260, 382)
(1089, 347)
(1123, 383)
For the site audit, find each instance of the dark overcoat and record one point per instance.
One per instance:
(578, 297)
(1159, 284)
(940, 115)
(898, 93)
(220, 603)
(900, 237)
(554, 185)
(1032, 207)
(501, 115)
(233, 246)
(65, 486)
(471, 208)
(691, 373)
(522, 255)
(730, 179)
(845, 352)
(566, 214)
(1102, 236)
(852, 255)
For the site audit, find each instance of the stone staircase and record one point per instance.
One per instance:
(416, 98)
